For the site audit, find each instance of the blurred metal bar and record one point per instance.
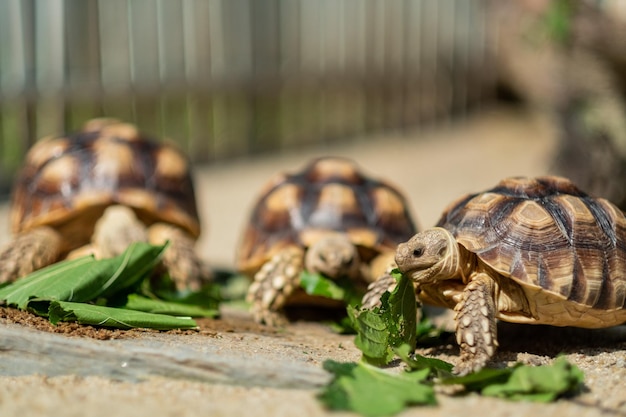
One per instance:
(13, 71)
(144, 43)
(49, 66)
(171, 50)
(50, 46)
(115, 62)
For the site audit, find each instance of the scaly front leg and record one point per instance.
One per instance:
(273, 284)
(476, 331)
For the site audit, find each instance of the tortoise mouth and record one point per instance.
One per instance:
(420, 274)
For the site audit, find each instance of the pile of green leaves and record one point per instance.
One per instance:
(111, 292)
(392, 331)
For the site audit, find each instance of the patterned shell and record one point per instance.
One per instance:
(548, 234)
(68, 181)
(330, 194)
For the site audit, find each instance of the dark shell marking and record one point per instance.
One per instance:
(330, 194)
(546, 233)
(72, 179)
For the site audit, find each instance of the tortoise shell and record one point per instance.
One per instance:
(67, 182)
(330, 194)
(547, 234)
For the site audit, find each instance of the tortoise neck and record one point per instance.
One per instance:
(466, 263)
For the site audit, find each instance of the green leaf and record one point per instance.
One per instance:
(372, 334)
(52, 282)
(232, 286)
(61, 290)
(558, 20)
(403, 312)
(319, 285)
(393, 324)
(114, 317)
(342, 326)
(372, 392)
(476, 381)
(208, 297)
(538, 383)
(85, 278)
(150, 305)
(521, 382)
(419, 362)
(428, 334)
(128, 269)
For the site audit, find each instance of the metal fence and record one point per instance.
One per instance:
(230, 77)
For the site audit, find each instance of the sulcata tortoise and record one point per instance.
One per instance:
(329, 218)
(529, 250)
(98, 190)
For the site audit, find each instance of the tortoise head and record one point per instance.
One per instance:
(429, 256)
(334, 256)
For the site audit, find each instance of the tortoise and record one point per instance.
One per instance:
(98, 190)
(530, 250)
(329, 218)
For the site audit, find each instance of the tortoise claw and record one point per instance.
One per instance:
(267, 316)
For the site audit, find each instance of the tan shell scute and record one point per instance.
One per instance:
(330, 194)
(548, 234)
(72, 179)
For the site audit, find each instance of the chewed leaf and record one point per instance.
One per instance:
(384, 328)
(372, 336)
(402, 312)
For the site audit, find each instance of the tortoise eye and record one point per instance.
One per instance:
(417, 252)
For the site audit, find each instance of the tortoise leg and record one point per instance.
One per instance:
(376, 290)
(476, 331)
(273, 284)
(28, 252)
(180, 258)
(381, 268)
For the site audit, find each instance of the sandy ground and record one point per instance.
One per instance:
(433, 167)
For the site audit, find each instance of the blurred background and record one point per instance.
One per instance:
(227, 78)
(237, 81)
